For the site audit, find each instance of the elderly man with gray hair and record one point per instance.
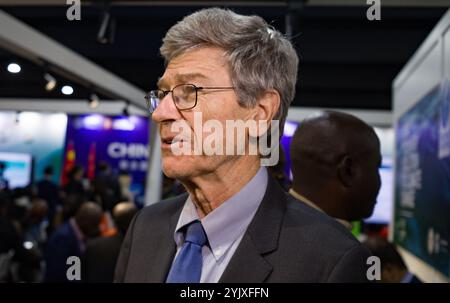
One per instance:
(235, 223)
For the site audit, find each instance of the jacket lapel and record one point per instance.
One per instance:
(164, 254)
(248, 263)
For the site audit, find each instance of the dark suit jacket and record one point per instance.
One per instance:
(415, 280)
(62, 244)
(287, 241)
(49, 191)
(100, 259)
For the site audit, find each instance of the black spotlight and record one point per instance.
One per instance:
(292, 17)
(17, 117)
(107, 29)
(125, 111)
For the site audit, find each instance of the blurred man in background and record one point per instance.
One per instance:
(35, 227)
(18, 262)
(393, 268)
(75, 184)
(335, 161)
(4, 183)
(106, 187)
(101, 254)
(70, 240)
(10, 240)
(50, 192)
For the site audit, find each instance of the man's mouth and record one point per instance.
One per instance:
(167, 141)
(170, 141)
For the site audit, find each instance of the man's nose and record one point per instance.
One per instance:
(166, 110)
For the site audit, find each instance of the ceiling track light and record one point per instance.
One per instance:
(50, 82)
(94, 101)
(292, 17)
(107, 29)
(125, 111)
(17, 117)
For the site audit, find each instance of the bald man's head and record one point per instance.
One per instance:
(123, 213)
(88, 218)
(335, 158)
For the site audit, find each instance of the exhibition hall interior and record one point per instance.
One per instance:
(81, 153)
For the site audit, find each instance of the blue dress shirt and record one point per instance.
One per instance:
(224, 226)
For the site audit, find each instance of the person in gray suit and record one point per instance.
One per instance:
(235, 223)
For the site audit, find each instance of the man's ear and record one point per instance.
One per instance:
(267, 107)
(265, 111)
(346, 171)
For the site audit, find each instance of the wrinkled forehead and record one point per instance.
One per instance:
(165, 80)
(201, 64)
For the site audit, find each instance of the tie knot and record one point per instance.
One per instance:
(195, 233)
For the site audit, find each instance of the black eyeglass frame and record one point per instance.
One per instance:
(166, 92)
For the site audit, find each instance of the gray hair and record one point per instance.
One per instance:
(260, 58)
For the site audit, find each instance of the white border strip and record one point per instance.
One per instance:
(382, 118)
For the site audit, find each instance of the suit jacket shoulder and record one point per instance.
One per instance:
(149, 247)
(105, 249)
(286, 241)
(331, 252)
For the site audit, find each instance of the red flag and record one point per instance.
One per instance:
(69, 162)
(91, 162)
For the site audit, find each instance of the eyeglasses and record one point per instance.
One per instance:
(184, 96)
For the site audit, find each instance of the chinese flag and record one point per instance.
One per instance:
(69, 162)
(91, 162)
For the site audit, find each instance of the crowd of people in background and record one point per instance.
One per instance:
(44, 224)
(335, 159)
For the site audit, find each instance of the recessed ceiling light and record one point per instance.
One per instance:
(14, 68)
(67, 90)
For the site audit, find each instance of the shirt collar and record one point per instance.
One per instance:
(225, 224)
(302, 198)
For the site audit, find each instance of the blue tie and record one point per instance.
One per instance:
(187, 267)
